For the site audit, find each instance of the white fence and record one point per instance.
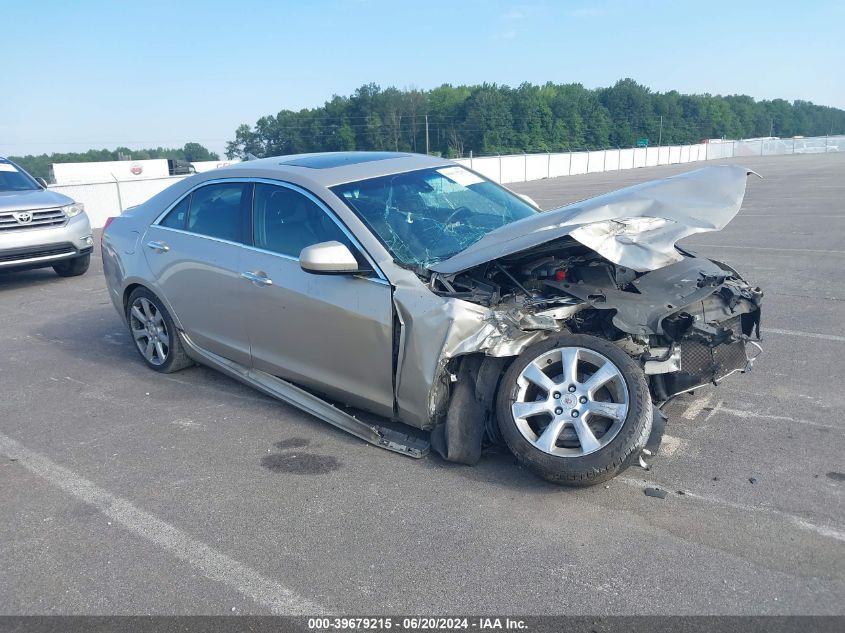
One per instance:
(524, 167)
(103, 199)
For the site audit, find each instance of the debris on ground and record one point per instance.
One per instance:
(681, 492)
(655, 492)
(752, 480)
(643, 465)
(836, 476)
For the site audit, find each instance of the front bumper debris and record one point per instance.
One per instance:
(703, 364)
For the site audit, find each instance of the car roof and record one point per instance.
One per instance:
(329, 160)
(332, 168)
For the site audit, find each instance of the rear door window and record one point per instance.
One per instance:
(178, 216)
(221, 210)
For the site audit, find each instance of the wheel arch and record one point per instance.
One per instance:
(127, 291)
(470, 411)
(140, 283)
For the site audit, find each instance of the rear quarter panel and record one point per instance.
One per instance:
(124, 264)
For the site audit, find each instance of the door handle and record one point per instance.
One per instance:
(259, 278)
(158, 247)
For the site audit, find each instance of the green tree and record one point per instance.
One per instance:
(492, 119)
(195, 152)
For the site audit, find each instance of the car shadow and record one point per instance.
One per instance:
(13, 280)
(498, 467)
(99, 336)
(95, 333)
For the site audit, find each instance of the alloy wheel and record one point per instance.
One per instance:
(570, 402)
(149, 331)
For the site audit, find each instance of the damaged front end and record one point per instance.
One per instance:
(607, 267)
(712, 337)
(688, 324)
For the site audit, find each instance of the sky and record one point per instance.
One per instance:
(149, 73)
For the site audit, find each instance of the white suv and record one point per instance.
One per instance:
(40, 228)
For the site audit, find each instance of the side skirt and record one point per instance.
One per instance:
(274, 387)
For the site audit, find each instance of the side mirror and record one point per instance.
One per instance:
(329, 258)
(41, 181)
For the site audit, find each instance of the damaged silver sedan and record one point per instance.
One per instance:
(415, 304)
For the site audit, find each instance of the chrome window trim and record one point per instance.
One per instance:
(264, 251)
(378, 280)
(205, 237)
(216, 181)
(381, 277)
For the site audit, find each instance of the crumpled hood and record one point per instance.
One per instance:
(29, 200)
(636, 227)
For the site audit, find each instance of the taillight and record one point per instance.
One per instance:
(105, 226)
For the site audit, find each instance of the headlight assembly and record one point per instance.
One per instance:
(71, 210)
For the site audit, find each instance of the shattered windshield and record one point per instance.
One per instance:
(426, 216)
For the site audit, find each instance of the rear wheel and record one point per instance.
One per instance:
(73, 267)
(154, 333)
(575, 409)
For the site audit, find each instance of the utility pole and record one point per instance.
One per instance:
(771, 126)
(426, 135)
(660, 133)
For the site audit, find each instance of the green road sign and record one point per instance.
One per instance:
(642, 142)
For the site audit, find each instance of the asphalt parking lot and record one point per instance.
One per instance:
(128, 492)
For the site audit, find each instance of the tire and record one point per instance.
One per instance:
(73, 267)
(154, 334)
(617, 413)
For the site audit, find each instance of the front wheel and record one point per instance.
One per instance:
(575, 409)
(73, 267)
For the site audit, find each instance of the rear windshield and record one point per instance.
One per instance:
(14, 179)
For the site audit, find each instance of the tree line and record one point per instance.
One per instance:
(495, 119)
(40, 165)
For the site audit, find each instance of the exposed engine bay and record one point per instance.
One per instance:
(689, 323)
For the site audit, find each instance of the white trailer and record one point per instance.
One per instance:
(201, 166)
(76, 173)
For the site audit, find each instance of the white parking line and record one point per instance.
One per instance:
(213, 564)
(824, 337)
(696, 407)
(801, 522)
(671, 445)
(768, 248)
(786, 217)
(757, 415)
